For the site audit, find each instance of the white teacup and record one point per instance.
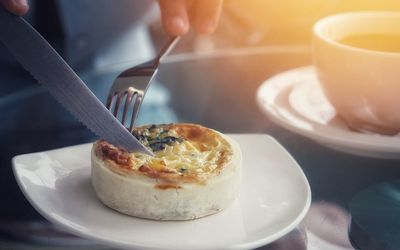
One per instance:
(358, 64)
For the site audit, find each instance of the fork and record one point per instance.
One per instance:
(133, 84)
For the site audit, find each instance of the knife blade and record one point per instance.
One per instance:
(37, 56)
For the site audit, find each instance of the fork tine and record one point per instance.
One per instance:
(109, 100)
(117, 103)
(130, 93)
(136, 106)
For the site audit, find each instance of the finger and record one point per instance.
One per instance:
(17, 7)
(207, 13)
(174, 16)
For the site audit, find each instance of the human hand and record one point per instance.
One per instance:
(17, 7)
(178, 15)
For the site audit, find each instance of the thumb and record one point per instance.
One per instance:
(17, 7)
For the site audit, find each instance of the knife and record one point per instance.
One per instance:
(36, 55)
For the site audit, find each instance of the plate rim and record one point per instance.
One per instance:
(355, 140)
(126, 245)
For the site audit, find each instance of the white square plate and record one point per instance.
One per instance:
(274, 198)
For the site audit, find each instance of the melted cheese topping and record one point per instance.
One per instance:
(181, 157)
(195, 149)
(182, 153)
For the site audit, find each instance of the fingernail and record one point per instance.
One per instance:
(21, 2)
(178, 23)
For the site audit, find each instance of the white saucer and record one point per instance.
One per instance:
(274, 198)
(295, 101)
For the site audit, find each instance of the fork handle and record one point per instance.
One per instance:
(165, 50)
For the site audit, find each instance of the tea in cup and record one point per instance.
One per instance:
(357, 60)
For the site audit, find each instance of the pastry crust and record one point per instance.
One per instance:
(195, 172)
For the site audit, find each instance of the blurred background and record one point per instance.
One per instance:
(211, 80)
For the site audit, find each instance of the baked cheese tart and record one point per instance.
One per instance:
(195, 171)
